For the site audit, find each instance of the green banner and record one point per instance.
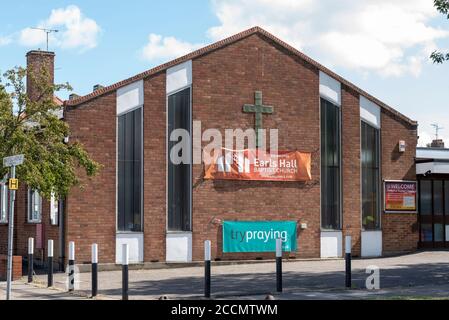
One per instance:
(258, 236)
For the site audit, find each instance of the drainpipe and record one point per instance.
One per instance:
(62, 234)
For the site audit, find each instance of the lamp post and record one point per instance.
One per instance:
(11, 162)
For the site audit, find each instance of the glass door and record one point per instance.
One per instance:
(434, 212)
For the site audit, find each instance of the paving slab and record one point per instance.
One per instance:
(23, 291)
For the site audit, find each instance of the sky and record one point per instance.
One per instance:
(382, 46)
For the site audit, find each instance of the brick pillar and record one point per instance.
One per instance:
(16, 267)
(351, 168)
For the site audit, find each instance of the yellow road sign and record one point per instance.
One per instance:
(13, 184)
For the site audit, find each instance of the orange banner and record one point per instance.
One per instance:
(259, 165)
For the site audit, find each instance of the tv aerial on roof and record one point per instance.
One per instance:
(438, 128)
(47, 31)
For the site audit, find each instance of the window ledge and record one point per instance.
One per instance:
(179, 232)
(129, 232)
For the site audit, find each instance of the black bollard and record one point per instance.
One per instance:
(125, 275)
(50, 263)
(348, 241)
(71, 269)
(207, 258)
(30, 259)
(279, 265)
(94, 270)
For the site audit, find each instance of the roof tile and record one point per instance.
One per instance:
(228, 41)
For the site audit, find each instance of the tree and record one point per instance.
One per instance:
(33, 128)
(443, 7)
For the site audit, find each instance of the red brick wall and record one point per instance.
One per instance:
(400, 231)
(350, 137)
(91, 214)
(155, 168)
(223, 82)
(16, 267)
(24, 230)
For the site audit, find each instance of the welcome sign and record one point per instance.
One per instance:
(258, 236)
(400, 196)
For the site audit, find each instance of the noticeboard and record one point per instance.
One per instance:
(400, 196)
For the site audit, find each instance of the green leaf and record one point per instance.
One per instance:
(31, 127)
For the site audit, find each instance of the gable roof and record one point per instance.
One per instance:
(228, 41)
(58, 101)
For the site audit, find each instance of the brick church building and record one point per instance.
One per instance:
(165, 211)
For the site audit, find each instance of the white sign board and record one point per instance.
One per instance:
(13, 161)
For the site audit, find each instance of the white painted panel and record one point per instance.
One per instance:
(330, 88)
(135, 243)
(130, 97)
(432, 153)
(433, 167)
(179, 247)
(371, 244)
(370, 112)
(331, 244)
(441, 167)
(179, 76)
(422, 168)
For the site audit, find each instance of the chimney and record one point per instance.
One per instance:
(73, 96)
(437, 143)
(40, 68)
(97, 87)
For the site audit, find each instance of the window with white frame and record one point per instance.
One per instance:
(34, 206)
(3, 203)
(54, 211)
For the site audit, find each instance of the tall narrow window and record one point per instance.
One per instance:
(179, 175)
(34, 206)
(370, 177)
(3, 203)
(330, 166)
(130, 171)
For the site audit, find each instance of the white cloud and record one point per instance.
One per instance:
(165, 48)
(389, 37)
(5, 40)
(76, 30)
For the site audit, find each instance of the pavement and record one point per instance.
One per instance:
(22, 291)
(422, 275)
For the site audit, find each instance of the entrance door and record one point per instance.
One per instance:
(434, 212)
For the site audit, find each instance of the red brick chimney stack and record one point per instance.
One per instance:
(37, 61)
(437, 143)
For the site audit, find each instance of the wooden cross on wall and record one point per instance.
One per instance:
(258, 109)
